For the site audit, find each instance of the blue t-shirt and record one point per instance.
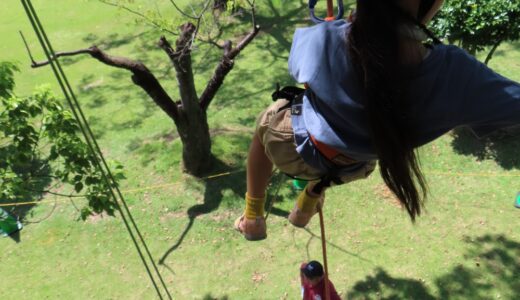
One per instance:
(449, 88)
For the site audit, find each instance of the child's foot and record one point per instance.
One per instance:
(300, 218)
(252, 229)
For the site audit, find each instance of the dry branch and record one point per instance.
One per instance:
(224, 67)
(181, 60)
(35, 64)
(141, 76)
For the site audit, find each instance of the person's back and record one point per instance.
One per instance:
(449, 88)
(376, 92)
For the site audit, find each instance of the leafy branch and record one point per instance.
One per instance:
(26, 123)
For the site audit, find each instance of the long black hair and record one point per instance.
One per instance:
(374, 43)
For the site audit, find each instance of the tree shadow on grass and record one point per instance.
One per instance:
(210, 297)
(501, 146)
(492, 264)
(234, 181)
(213, 197)
(313, 236)
(383, 286)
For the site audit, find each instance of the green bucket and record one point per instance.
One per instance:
(8, 224)
(517, 200)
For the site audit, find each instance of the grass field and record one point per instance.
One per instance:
(466, 246)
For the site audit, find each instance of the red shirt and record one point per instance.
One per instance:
(317, 292)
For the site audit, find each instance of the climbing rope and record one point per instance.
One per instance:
(324, 252)
(94, 148)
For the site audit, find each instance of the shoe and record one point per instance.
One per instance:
(299, 218)
(252, 229)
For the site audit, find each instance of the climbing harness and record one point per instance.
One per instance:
(294, 96)
(330, 11)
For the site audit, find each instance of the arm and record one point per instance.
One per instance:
(492, 101)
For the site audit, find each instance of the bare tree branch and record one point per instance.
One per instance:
(252, 4)
(36, 64)
(139, 14)
(181, 60)
(181, 11)
(141, 76)
(226, 63)
(224, 67)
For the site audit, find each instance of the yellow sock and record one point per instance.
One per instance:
(307, 203)
(254, 207)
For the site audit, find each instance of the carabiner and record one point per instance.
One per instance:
(312, 4)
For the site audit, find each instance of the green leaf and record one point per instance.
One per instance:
(78, 187)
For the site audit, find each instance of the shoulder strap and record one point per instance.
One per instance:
(288, 93)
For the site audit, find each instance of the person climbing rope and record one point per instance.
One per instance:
(313, 282)
(376, 89)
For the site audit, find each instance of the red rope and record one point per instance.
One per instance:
(330, 9)
(324, 251)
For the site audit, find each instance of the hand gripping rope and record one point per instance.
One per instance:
(330, 11)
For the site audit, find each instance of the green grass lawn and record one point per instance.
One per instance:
(466, 246)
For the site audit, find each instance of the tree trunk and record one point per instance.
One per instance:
(189, 114)
(492, 52)
(191, 122)
(194, 133)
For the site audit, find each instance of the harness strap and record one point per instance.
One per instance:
(294, 96)
(288, 93)
(332, 154)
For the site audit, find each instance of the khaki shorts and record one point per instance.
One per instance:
(274, 129)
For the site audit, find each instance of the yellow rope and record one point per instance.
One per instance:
(155, 187)
(462, 174)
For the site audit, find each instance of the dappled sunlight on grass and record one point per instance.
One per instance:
(465, 246)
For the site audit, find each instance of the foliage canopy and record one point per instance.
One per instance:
(477, 24)
(40, 146)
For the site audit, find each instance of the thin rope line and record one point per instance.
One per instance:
(152, 187)
(464, 174)
(110, 180)
(37, 28)
(324, 252)
(90, 139)
(159, 186)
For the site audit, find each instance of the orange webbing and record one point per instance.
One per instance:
(324, 149)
